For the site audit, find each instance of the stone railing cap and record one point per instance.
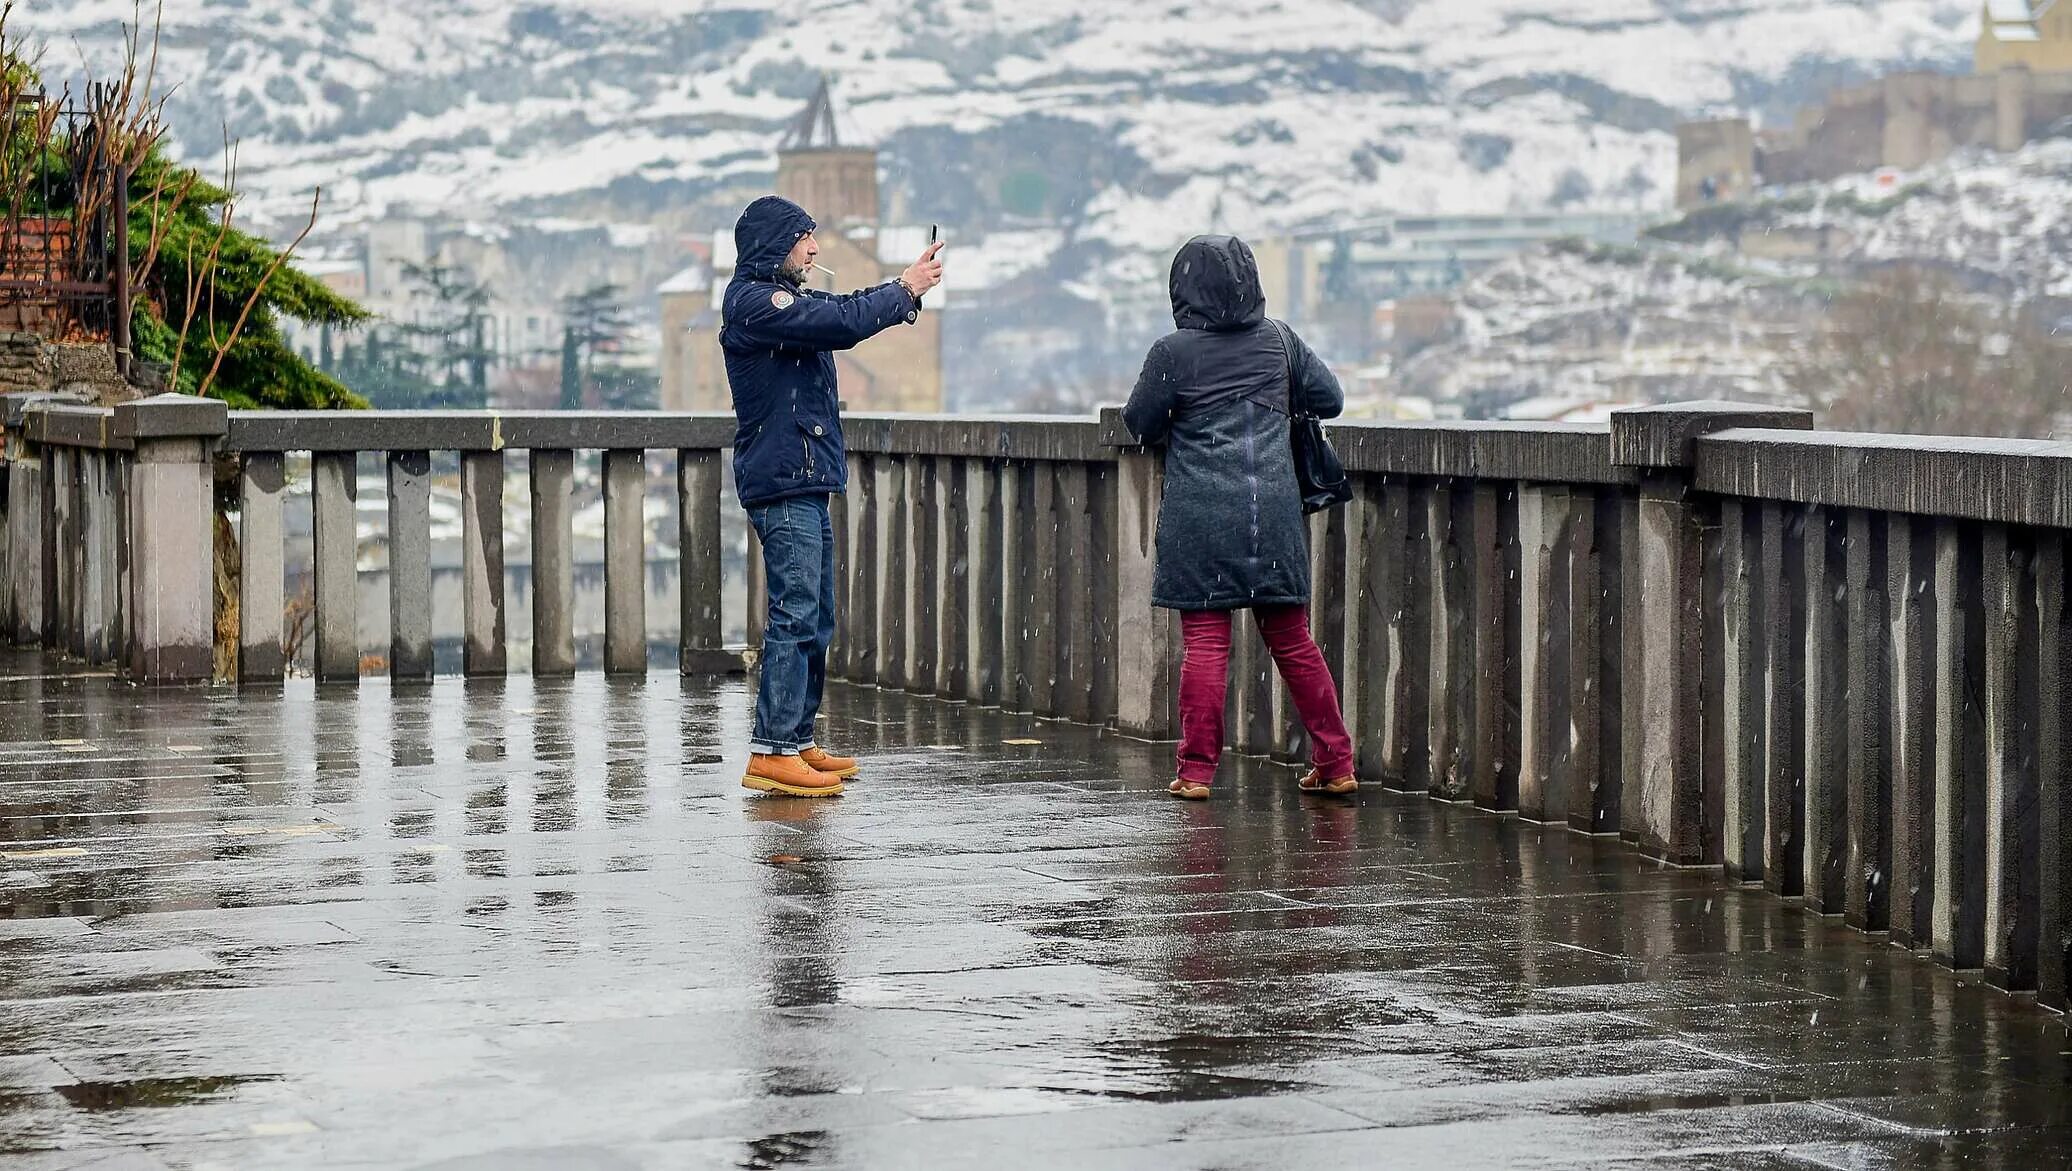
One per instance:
(18, 403)
(172, 416)
(1666, 436)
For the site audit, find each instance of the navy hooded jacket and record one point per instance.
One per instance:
(780, 341)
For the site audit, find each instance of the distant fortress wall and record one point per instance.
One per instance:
(1907, 120)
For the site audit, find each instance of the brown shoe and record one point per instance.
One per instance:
(824, 761)
(790, 776)
(1188, 791)
(1339, 787)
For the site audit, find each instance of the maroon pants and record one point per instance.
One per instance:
(1205, 681)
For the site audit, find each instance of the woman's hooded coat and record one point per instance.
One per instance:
(1215, 394)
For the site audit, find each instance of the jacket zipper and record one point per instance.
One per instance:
(808, 445)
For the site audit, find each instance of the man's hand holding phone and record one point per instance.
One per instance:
(925, 273)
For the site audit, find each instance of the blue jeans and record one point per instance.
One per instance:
(798, 540)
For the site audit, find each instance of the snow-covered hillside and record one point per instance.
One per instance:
(1720, 304)
(1127, 123)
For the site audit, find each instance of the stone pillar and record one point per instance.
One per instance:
(702, 650)
(334, 495)
(1780, 583)
(172, 533)
(889, 506)
(552, 483)
(486, 648)
(988, 599)
(1076, 570)
(1957, 907)
(1910, 575)
(262, 579)
(1825, 756)
(410, 566)
(625, 563)
(1661, 442)
(1040, 525)
(923, 590)
(953, 576)
(1148, 651)
(860, 654)
(28, 514)
(1867, 865)
(1741, 708)
(2053, 761)
(2012, 742)
(1545, 530)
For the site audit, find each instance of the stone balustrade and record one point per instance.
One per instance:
(1832, 664)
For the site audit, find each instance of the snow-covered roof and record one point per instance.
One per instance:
(690, 280)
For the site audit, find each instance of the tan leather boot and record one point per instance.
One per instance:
(825, 761)
(790, 776)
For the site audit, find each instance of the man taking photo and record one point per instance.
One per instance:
(780, 338)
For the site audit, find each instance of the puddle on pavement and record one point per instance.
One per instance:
(146, 1093)
(783, 1150)
(1686, 1102)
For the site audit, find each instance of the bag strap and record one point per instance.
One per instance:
(1288, 351)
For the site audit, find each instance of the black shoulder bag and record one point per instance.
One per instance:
(1318, 470)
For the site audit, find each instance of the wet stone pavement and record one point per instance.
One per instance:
(519, 925)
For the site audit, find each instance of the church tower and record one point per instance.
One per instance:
(2031, 34)
(835, 181)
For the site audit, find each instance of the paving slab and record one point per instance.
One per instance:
(519, 923)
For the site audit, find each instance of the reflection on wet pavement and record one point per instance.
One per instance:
(520, 924)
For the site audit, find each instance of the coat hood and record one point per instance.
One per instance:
(766, 234)
(1216, 285)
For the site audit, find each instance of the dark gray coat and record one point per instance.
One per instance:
(1231, 533)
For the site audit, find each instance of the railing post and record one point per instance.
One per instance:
(410, 566)
(988, 599)
(485, 651)
(263, 484)
(1147, 663)
(1661, 442)
(172, 530)
(698, 477)
(1546, 519)
(334, 496)
(625, 563)
(28, 518)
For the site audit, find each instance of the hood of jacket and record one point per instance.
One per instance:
(765, 234)
(1215, 285)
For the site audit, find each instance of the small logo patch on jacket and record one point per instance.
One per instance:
(781, 299)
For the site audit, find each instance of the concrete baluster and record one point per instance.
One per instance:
(1781, 584)
(1075, 599)
(410, 566)
(699, 539)
(1910, 575)
(625, 563)
(485, 646)
(262, 581)
(987, 597)
(2053, 763)
(953, 573)
(860, 651)
(335, 488)
(28, 518)
(923, 593)
(1826, 756)
(1868, 860)
(1546, 521)
(1958, 907)
(1453, 690)
(171, 524)
(1148, 649)
(1741, 709)
(1596, 659)
(1040, 526)
(890, 509)
(1014, 593)
(552, 483)
(1661, 443)
(1411, 600)
(2011, 726)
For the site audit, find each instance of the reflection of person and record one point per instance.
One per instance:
(1216, 394)
(780, 340)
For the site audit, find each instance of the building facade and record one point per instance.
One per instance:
(2020, 88)
(837, 183)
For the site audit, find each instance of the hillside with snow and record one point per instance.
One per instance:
(1125, 124)
(1723, 302)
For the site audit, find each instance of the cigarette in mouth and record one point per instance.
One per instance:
(825, 269)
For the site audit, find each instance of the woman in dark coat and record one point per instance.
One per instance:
(1216, 394)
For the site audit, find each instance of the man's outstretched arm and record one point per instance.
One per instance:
(770, 317)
